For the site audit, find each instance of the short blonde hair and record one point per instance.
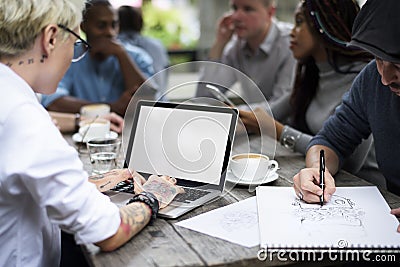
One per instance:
(21, 21)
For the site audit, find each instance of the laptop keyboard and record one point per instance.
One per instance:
(190, 194)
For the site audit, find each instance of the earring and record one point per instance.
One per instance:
(43, 58)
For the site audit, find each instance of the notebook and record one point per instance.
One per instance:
(191, 143)
(355, 217)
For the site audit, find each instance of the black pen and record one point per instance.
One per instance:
(322, 175)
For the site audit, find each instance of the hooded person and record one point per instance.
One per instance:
(371, 106)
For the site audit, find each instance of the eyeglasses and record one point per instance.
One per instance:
(81, 47)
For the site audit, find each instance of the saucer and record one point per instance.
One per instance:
(230, 177)
(77, 138)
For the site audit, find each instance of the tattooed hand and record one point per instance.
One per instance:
(163, 187)
(135, 216)
(110, 179)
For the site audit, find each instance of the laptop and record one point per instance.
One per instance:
(189, 142)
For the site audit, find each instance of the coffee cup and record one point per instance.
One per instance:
(92, 111)
(252, 166)
(91, 129)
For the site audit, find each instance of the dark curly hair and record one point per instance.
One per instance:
(330, 21)
(130, 19)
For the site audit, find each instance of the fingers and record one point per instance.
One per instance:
(117, 122)
(243, 114)
(115, 128)
(249, 120)
(330, 187)
(138, 182)
(171, 180)
(110, 179)
(124, 174)
(225, 29)
(395, 212)
(154, 183)
(306, 185)
(226, 22)
(138, 185)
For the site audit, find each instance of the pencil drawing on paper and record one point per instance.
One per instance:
(340, 215)
(242, 219)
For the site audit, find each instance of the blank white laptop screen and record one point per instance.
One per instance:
(181, 143)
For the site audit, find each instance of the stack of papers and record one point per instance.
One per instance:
(356, 217)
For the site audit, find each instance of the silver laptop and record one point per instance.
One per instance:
(191, 143)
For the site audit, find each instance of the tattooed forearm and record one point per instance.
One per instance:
(134, 217)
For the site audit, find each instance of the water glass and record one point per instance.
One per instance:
(103, 154)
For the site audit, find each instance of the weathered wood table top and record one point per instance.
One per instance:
(165, 244)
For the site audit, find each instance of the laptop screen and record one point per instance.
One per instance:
(188, 142)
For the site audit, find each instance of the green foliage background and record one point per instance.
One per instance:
(167, 26)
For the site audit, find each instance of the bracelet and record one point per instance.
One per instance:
(77, 121)
(289, 137)
(150, 200)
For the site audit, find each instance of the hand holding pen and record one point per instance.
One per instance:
(315, 184)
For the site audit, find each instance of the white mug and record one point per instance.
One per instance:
(90, 129)
(252, 166)
(95, 110)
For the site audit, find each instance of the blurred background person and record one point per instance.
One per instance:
(252, 41)
(130, 28)
(111, 73)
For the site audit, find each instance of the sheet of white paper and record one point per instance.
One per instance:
(236, 223)
(355, 217)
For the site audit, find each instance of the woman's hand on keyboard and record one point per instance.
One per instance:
(110, 179)
(163, 187)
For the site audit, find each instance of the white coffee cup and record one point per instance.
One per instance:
(91, 129)
(252, 166)
(95, 110)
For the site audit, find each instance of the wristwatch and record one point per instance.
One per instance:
(289, 141)
(289, 137)
(150, 200)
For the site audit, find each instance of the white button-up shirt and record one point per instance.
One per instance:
(42, 184)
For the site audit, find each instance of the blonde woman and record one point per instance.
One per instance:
(43, 187)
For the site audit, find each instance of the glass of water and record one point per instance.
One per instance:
(103, 154)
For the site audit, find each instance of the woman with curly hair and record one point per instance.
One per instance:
(326, 69)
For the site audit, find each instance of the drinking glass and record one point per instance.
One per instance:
(103, 154)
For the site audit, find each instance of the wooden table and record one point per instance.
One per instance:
(164, 244)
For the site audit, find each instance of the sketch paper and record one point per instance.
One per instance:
(357, 217)
(236, 223)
